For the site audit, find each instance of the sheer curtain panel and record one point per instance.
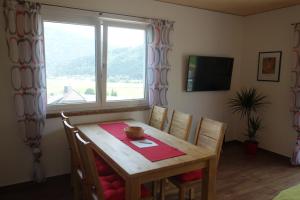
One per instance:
(24, 36)
(296, 93)
(158, 64)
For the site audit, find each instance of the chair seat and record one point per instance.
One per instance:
(114, 188)
(190, 176)
(102, 168)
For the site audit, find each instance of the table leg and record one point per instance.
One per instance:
(209, 181)
(133, 189)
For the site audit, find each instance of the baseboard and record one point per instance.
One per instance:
(31, 183)
(238, 142)
(232, 142)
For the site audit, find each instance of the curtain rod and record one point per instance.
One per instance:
(97, 11)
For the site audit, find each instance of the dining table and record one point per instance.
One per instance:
(137, 168)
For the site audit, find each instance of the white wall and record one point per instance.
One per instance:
(269, 32)
(196, 32)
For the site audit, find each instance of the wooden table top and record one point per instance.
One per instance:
(133, 163)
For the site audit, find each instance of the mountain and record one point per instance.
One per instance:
(123, 63)
(74, 54)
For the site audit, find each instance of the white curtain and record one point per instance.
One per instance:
(24, 36)
(295, 160)
(158, 64)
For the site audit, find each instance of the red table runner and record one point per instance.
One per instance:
(156, 153)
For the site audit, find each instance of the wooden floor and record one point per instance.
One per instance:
(240, 177)
(262, 177)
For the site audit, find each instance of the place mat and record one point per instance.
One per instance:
(155, 153)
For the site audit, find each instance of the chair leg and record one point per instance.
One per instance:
(154, 188)
(76, 188)
(162, 189)
(86, 195)
(181, 193)
(73, 178)
(191, 194)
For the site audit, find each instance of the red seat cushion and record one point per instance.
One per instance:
(145, 192)
(114, 188)
(190, 176)
(102, 168)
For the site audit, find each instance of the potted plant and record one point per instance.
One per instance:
(247, 103)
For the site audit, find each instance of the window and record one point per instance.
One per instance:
(97, 65)
(125, 64)
(70, 63)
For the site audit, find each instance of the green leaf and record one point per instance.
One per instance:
(246, 102)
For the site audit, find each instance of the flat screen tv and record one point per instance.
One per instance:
(209, 73)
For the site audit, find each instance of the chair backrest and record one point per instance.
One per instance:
(64, 117)
(89, 168)
(75, 156)
(158, 117)
(180, 125)
(210, 134)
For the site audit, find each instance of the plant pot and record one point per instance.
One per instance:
(251, 147)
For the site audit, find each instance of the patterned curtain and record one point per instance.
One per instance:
(24, 36)
(296, 93)
(158, 65)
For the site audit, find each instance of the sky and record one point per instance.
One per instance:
(117, 37)
(125, 37)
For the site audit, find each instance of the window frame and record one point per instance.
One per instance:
(70, 16)
(128, 102)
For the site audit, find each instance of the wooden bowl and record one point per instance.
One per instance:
(134, 132)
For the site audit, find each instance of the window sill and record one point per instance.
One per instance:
(100, 111)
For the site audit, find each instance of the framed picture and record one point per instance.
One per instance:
(269, 66)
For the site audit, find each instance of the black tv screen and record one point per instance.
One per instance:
(209, 73)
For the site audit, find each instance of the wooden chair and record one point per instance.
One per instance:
(78, 175)
(102, 187)
(180, 125)
(77, 178)
(209, 134)
(158, 117)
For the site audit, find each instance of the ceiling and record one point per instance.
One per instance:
(236, 7)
